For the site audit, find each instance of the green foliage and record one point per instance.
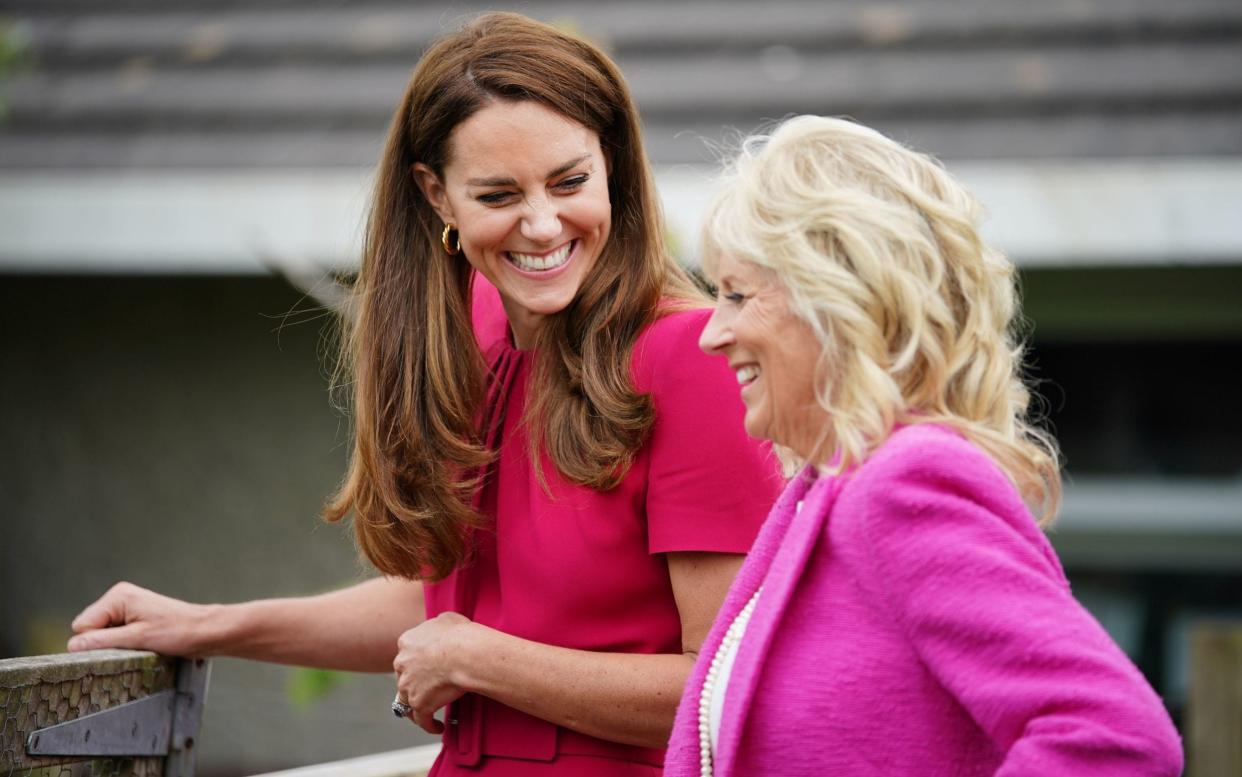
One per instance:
(304, 687)
(14, 51)
(44, 634)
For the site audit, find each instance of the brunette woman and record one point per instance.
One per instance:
(546, 467)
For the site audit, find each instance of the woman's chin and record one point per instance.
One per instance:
(757, 428)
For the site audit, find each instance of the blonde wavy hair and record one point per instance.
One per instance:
(879, 250)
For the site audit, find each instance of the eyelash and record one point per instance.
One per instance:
(566, 186)
(734, 297)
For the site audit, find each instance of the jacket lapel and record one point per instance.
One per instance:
(779, 577)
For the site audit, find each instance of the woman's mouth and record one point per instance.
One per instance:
(542, 262)
(747, 374)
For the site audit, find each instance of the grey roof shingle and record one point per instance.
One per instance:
(169, 84)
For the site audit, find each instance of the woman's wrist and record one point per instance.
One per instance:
(475, 650)
(249, 630)
(211, 630)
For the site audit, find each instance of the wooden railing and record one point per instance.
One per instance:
(130, 713)
(161, 701)
(125, 713)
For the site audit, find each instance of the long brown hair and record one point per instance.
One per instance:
(418, 377)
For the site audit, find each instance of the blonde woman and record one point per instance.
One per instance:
(901, 612)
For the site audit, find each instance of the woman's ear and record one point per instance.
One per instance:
(433, 190)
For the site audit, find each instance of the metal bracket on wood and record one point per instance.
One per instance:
(162, 724)
(192, 676)
(136, 728)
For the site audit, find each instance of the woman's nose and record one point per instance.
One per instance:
(541, 223)
(716, 334)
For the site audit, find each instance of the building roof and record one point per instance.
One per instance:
(275, 83)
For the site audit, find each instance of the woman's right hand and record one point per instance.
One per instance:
(128, 616)
(354, 629)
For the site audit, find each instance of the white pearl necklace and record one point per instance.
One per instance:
(727, 643)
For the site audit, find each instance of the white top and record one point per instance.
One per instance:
(726, 655)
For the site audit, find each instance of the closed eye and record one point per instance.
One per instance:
(494, 198)
(567, 186)
(573, 183)
(734, 297)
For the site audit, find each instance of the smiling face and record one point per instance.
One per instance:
(772, 351)
(527, 189)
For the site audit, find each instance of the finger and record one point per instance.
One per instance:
(427, 722)
(111, 609)
(103, 613)
(97, 639)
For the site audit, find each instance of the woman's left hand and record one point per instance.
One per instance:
(428, 663)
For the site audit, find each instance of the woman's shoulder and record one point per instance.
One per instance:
(669, 346)
(677, 324)
(922, 444)
(928, 484)
(927, 458)
(673, 333)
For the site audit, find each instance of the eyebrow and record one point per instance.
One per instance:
(510, 182)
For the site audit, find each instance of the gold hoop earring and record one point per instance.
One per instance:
(451, 248)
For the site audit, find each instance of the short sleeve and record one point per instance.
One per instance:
(709, 485)
(956, 560)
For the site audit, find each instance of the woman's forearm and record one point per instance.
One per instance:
(622, 697)
(354, 628)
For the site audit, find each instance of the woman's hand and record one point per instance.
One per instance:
(629, 698)
(429, 665)
(128, 616)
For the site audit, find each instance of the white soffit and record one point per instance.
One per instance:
(180, 221)
(1072, 212)
(192, 221)
(1183, 506)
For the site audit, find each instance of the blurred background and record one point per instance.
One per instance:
(176, 175)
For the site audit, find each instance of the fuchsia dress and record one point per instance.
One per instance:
(582, 568)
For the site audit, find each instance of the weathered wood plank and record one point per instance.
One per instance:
(40, 691)
(1215, 724)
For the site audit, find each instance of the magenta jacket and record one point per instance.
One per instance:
(915, 621)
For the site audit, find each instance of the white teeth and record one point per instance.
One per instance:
(545, 262)
(747, 374)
